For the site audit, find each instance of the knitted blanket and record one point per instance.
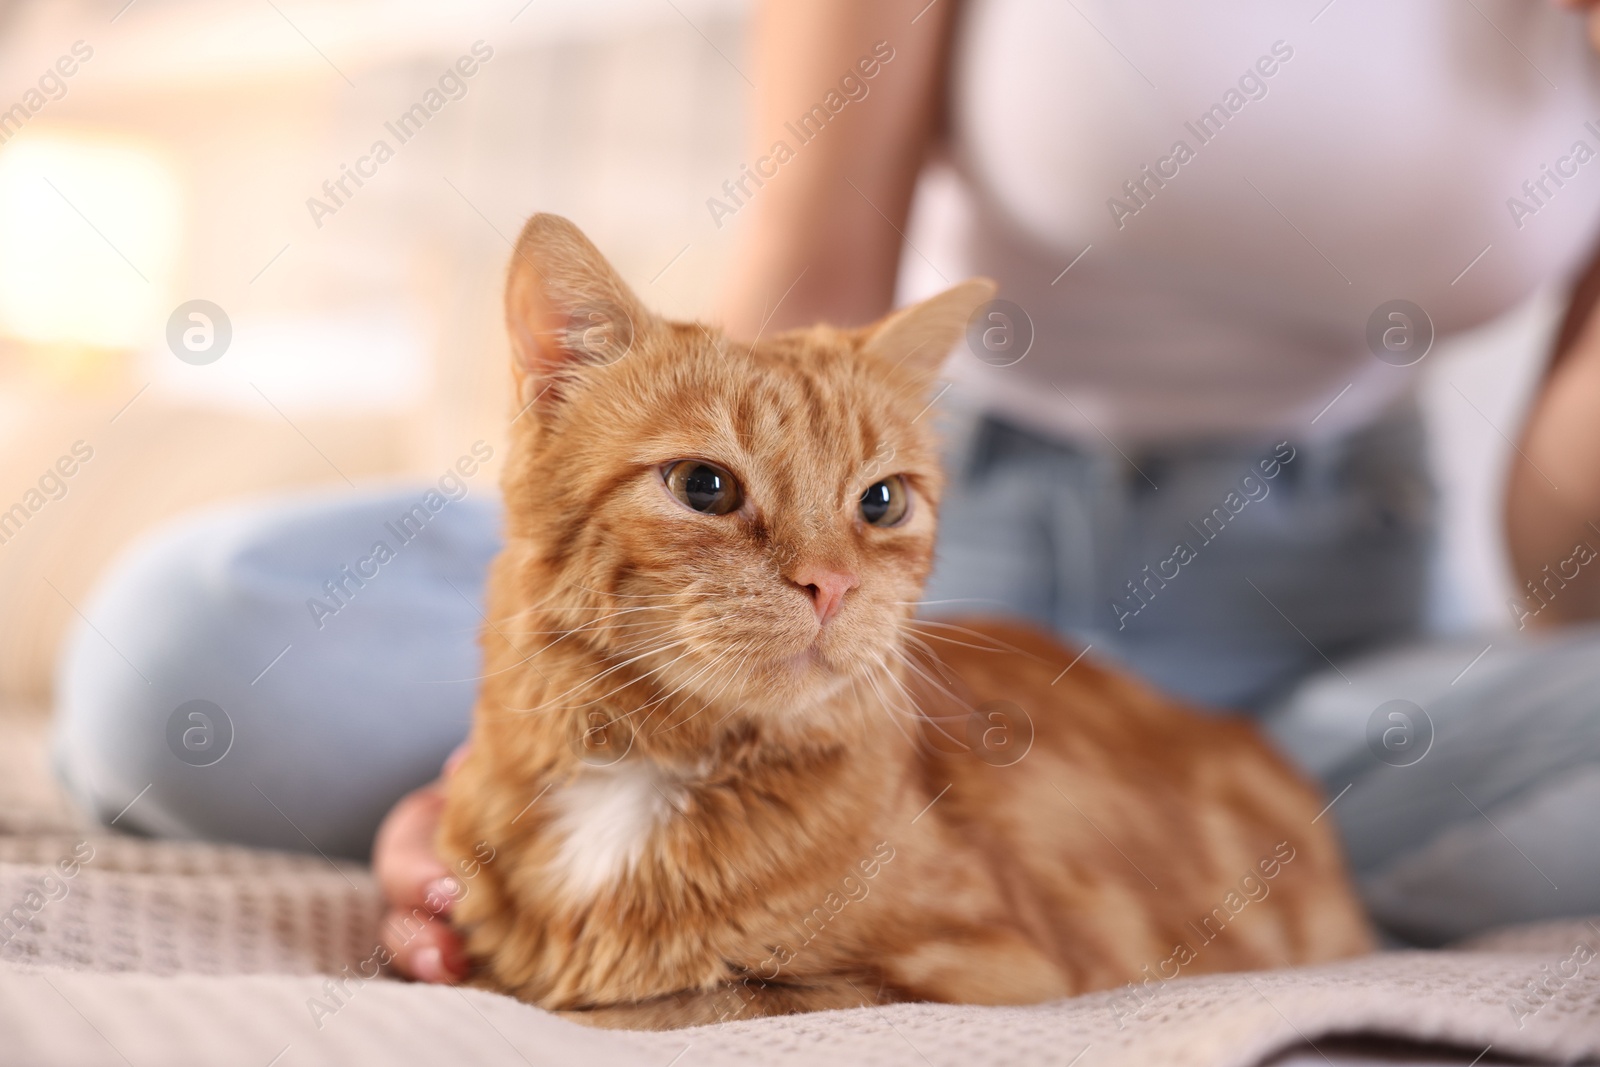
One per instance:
(117, 950)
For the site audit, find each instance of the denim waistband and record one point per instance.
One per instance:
(1394, 445)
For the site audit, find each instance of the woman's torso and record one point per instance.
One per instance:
(1355, 154)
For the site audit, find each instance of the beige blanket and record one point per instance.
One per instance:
(167, 953)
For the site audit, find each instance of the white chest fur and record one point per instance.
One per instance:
(604, 819)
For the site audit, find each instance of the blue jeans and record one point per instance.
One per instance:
(1286, 581)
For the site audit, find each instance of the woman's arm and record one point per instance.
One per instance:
(822, 237)
(1553, 493)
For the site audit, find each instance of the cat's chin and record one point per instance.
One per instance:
(811, 677)
(805, 660)
(813, 667)
(791, 684)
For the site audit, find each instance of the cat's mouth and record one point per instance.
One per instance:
(781, 662)
(826, 655)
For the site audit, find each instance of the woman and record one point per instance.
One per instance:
(1188, 440)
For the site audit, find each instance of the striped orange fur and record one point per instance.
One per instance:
(703, 803)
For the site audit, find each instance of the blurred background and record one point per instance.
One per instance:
(176, 161)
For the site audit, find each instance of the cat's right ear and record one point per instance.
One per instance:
(920, 336)
(567, 309)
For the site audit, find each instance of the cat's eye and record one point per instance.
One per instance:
(702, 486)
(885, 502)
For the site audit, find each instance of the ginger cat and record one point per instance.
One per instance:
(722, 771)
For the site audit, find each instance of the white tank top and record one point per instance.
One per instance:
(1201, 206)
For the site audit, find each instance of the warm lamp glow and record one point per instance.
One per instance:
(89, 228)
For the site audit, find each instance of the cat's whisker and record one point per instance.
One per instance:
(892, 699)
(600, 624)
(609, 607)
(931, 659)
(609, 670)
(878, 702)
(673, 622)
(595, 629)
(526, 659)
(751, 647)
(627, 635)
(991, 644)
(550, 706)
(693, 629)
(633, 641)
(654, 650)
(592, 623)
(889, 706)
(936, 722)
(649, 596)
(536, 610)
(910, 709)
(647, 704)
(917, 710)
(968, 644)
(732, 676)
(689, 651)
(861, 705)
(705, 702)
(554, 594)
(680, 687)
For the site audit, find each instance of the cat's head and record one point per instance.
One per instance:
(750, 522)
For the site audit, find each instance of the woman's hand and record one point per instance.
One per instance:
(418, 886)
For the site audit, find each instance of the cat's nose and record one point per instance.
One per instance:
(825, 587)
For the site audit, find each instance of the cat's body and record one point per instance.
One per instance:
(721, 771)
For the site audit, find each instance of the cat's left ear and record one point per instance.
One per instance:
(566, 309)
(920, 336)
